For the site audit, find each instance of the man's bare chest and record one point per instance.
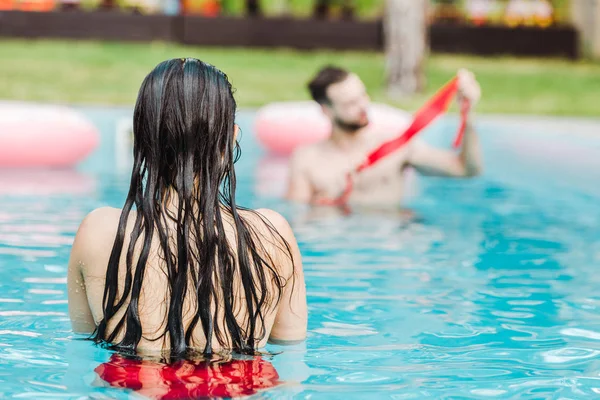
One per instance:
(328, 173)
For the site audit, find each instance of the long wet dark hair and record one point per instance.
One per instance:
(184, 151)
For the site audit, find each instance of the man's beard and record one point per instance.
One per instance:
(349, 127)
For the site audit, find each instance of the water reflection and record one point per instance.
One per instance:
(45, 182)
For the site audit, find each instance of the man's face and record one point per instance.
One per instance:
(349, 103)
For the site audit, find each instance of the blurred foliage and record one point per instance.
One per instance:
(363, 9)
(460, 11)
(441, 10)
(368, 9)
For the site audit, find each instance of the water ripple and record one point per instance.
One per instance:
(491, 292)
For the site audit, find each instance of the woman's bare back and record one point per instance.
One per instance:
(283, 320)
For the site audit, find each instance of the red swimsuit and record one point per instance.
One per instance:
(186, 379)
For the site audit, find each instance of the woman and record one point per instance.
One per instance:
(181, 267)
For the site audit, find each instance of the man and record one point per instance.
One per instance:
(318, 172)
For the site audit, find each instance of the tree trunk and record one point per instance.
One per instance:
(405, 31)
(586, 18)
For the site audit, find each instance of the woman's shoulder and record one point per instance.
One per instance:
(97, 232)
(264, 219)
(275, 233)
(99, 221)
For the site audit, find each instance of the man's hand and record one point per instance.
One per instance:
(468, 87)
(431, 161)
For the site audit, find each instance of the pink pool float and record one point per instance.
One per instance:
(33, 135)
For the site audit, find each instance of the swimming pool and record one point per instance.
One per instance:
(491, 293)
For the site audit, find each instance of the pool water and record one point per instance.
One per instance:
(491, 292)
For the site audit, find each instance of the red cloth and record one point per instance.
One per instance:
(186, 379)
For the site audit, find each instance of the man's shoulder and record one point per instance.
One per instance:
(381, 135)
(307, 155)
(311, 148)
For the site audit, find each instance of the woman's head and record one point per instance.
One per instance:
(183, 190)
(184, 123)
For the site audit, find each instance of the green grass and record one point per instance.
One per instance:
(110, 73)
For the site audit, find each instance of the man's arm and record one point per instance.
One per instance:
(438, 162)
(299, 187)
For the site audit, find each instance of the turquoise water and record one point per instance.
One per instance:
(492, 292)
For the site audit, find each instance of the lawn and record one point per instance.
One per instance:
(110, 74)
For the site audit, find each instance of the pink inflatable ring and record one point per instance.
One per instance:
(34, 135)
(282, 127)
